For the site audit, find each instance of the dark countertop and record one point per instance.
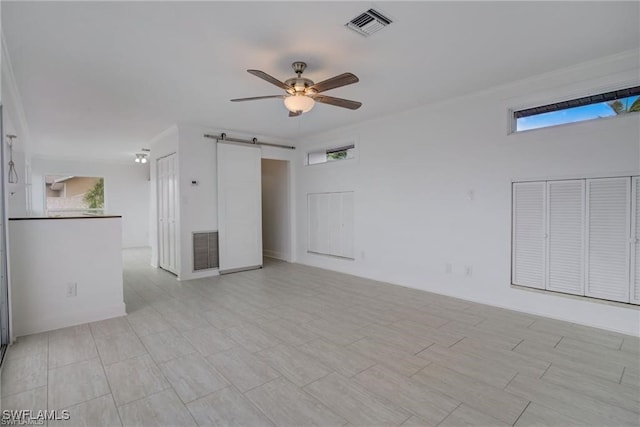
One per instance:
(64, 217)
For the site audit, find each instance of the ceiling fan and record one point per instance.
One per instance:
(302, 93)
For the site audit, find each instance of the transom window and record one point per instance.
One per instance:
(331, 154)
(591, 107)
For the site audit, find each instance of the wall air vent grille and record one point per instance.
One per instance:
(205, 250)
(368, 22)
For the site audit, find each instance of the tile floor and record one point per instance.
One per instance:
(290, 345)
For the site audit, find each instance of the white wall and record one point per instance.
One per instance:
(17, 197)
(275, 209)
(198, 203)
(17, 202)
(15, 124)
(47, 254)
(432, 187)
(126, 189)
(2, 234)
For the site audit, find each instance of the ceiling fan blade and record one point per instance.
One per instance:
(338, 102)
(270, 79)
(334, 82)
(257, 97)
(295, 114)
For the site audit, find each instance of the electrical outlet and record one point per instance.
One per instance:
(448, 268)
(468, 271)
(72, 290)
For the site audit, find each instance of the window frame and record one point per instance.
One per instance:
(632, 86)
(332, 148)
(91, 211)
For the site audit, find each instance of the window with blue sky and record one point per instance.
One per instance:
(577, 110)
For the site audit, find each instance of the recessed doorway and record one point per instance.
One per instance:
(276, 221)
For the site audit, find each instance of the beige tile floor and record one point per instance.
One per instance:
(290, 345)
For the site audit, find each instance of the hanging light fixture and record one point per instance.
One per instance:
(141, 158)
(13, 175)
(299, 102)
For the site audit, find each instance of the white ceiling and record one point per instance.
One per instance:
(99, 79)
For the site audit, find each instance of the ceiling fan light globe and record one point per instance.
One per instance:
(143, 160)
(299, 103)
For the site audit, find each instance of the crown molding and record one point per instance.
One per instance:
(84, 160)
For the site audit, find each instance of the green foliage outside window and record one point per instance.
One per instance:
(621, 108)
(337, 155)
(95, 197)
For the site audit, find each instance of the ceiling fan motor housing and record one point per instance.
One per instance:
(298, 84)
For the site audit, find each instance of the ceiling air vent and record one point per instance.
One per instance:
(368, 22)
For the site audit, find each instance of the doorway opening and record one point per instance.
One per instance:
(276, 221)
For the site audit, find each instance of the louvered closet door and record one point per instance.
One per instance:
(607, 253)
(635, 240)
(528, 239)
(565, 236)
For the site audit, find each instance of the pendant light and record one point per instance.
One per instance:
(12, 174)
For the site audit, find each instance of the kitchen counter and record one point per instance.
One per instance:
(29, 218)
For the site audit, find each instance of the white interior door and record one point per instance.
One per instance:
(239, 207)
(167, 206)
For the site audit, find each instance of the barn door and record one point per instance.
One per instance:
(239, 207)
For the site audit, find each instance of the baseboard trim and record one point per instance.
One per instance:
(200, 274)
(35, 325)
(275, 255)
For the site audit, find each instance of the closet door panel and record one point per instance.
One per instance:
(528, 234)
(565, 236)
(608, 231)
(635, 240)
